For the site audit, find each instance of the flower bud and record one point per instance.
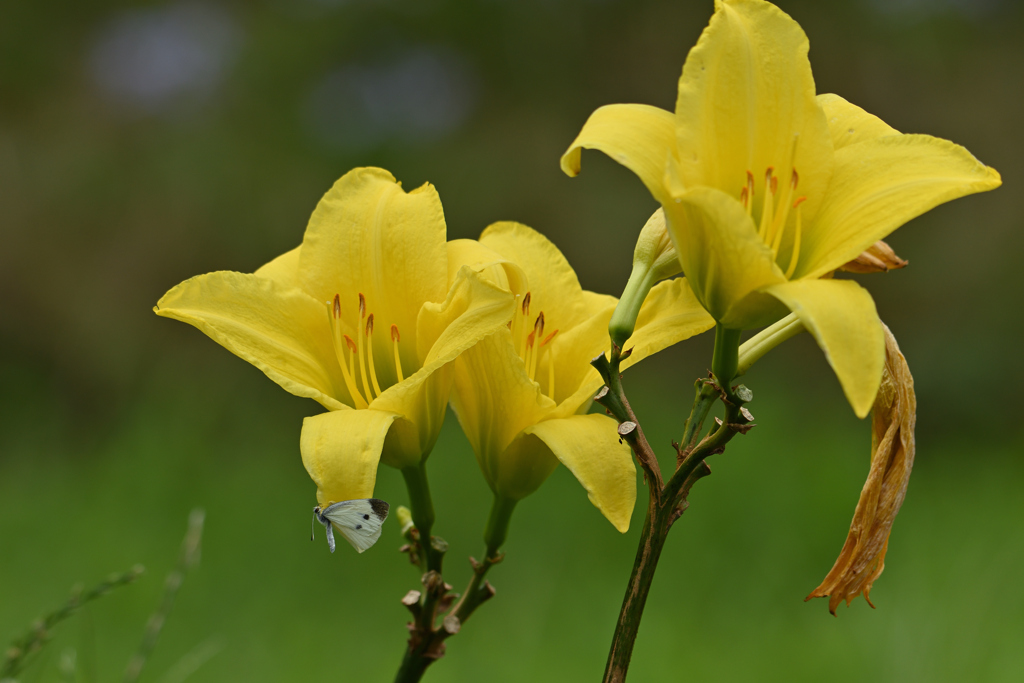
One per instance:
(404, 516)
(654, 259)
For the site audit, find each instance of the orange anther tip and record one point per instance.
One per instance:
(394, 334)
(362, 305)
(369, 324)
(336, 306)
(351, 344)
(549, 338)
(799, 201)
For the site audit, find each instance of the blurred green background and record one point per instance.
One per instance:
(143, 143)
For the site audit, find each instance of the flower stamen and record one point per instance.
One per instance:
(362, 351)
(334, 318)
(395, 338)
(551, 365)
(796, 238)
(749, 203)
(768, 205)
(779, 225)
(538, 331)
(369, 354)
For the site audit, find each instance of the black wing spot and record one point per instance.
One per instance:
(359, 526)
(366, 516)
(379, 508)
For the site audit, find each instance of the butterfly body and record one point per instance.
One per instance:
(359, 521)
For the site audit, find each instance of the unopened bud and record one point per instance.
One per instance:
(404, 515)
(654, 259)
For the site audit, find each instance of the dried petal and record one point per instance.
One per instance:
(894, 415)
(878, 258)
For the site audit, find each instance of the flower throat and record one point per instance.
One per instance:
(775, 212)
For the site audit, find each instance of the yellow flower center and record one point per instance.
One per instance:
(355, 358)
(775, 210)
(530, 342)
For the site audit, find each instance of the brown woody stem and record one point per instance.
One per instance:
(667, 501)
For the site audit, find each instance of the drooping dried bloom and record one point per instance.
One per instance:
(878, 258)
(892, 457)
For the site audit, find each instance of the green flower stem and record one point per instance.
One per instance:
(767, 339)
(623, 320)
(497, 524)
(726, 359)
(423, 514)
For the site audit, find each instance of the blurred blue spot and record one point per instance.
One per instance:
(148, 58)
(418, 96)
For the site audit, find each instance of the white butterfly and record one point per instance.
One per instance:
(359, 521)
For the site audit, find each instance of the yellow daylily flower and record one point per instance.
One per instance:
(363, 318)
(521, 395)
(767, 187)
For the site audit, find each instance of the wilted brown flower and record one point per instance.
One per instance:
(892, 456)
(878, 258)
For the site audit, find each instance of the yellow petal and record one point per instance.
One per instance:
(746, 102)
(341, 449)
(670, 314)
(282, 331)
(473, 310)
(284, 269)
(493, 267)
(638, 136)
(842, 317)
(722, 256)
(369, 236)
(879, 185)
(848, 123)
(495, 400)
(554, 288)
(589, 445)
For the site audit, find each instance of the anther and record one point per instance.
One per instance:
(336, 308)
(351, 344)
(362, 306)
(395, 337)
(526, 304)
(775, 184)
(548, 338)
(744, 198)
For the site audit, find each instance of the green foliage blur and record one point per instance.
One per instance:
(142, 143)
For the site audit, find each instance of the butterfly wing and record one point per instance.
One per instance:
(359, 521)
